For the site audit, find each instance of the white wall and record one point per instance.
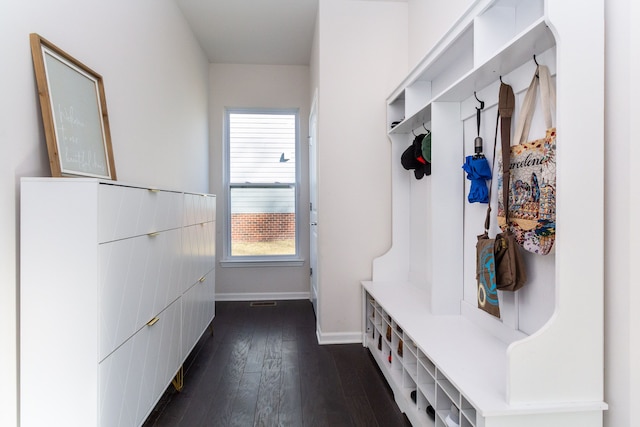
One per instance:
(361, 56)
(265, 86)
(429, 20)
(634, 209)
(156, 81)
(314, 67)
(622, 209)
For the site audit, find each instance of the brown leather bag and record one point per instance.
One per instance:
(511, 274)
(508, 265)
(510, 268)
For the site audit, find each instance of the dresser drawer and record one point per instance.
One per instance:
(130, 211)
(199, 208)
(139, 277)
(134, 376)
(198, 251)
(198, 308)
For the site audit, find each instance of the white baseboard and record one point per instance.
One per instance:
(338, 337)
(270, 296)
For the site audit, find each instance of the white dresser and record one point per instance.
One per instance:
(116, 287)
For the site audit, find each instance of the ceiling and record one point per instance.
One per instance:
(274, 32)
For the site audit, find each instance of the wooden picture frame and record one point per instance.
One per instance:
(74, 113)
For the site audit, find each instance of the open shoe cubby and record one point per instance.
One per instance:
(411, 372)
(430, 372)
(541, 363)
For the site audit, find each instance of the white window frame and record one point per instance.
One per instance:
(229, 260)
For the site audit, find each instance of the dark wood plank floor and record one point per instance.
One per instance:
(264, 367)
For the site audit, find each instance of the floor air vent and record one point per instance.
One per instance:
(263, 304)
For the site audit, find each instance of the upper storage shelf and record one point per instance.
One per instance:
(495, 42)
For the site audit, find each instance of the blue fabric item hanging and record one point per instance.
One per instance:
(478, 172)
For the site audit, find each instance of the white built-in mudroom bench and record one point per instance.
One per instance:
(541, 362)
(117, 285)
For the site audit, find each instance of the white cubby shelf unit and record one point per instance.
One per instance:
(541, 362)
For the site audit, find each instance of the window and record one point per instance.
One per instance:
(262, 177)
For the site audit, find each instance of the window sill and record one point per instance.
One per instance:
(285, 262)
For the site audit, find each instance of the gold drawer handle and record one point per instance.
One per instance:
(202, 279)
(153, 321)
(154, 190)
(154, 234)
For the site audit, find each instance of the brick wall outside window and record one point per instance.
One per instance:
(262, 227)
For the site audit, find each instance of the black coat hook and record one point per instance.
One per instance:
(481, 102)
(537, 65)
(477, 144)
(425, 128)
(501, 80)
